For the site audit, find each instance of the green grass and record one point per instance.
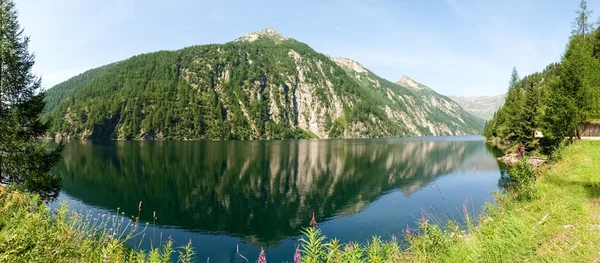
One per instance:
(554, 218)
(560, 225)
(31, 232)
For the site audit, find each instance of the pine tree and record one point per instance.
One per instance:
(508, 121)
(25, 160)
(514, 78)
(581, 25)
(530, 115)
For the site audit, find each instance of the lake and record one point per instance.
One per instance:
(221, 194)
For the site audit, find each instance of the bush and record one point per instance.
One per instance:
(522, 185)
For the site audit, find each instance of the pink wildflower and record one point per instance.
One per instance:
(297, 255)
(262, 258)
(313, 222)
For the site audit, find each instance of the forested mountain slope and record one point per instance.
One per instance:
(260, 86)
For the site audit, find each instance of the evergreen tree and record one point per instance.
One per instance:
(514, 78)
(582, 25)
(509, 117)
(530, 115)
(24, 159)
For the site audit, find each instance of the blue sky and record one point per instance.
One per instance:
(456, 47)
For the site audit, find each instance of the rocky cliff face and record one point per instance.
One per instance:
(480, 106)
(260, 86)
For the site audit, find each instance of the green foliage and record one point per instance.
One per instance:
(582, 24)
(31, 232)
(557, 101)
(523, 181)
(315, 247)
(432, 244)
(24, 159)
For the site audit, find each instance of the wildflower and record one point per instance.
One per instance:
(349, 246)
(262, 258)
(105, 258)
(393, 239)
(297, 255)
(520, 151)
(313, 222)
(103, 215)
(407, 231)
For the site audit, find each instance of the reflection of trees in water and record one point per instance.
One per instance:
(263, 191)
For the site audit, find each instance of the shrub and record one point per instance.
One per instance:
(522, 185)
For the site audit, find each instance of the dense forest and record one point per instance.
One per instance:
(559, 101)
(261, 86)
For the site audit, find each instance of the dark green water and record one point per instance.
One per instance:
(261, 193)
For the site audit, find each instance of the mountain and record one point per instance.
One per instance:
(259, 86)
(480, 106)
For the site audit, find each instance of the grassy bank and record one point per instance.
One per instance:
(555, 218)
(561, 224)
(31, 232)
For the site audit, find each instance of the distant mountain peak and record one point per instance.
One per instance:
(480, 106)
(410, 83)
(265, 33)
(351, 64)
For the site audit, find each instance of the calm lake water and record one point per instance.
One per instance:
(255, 194)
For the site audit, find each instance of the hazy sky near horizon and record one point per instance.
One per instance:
(456, 47)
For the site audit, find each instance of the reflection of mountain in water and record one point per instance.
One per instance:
(262, 191)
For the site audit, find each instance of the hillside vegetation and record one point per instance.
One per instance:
(559, 101)
(260, 86)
